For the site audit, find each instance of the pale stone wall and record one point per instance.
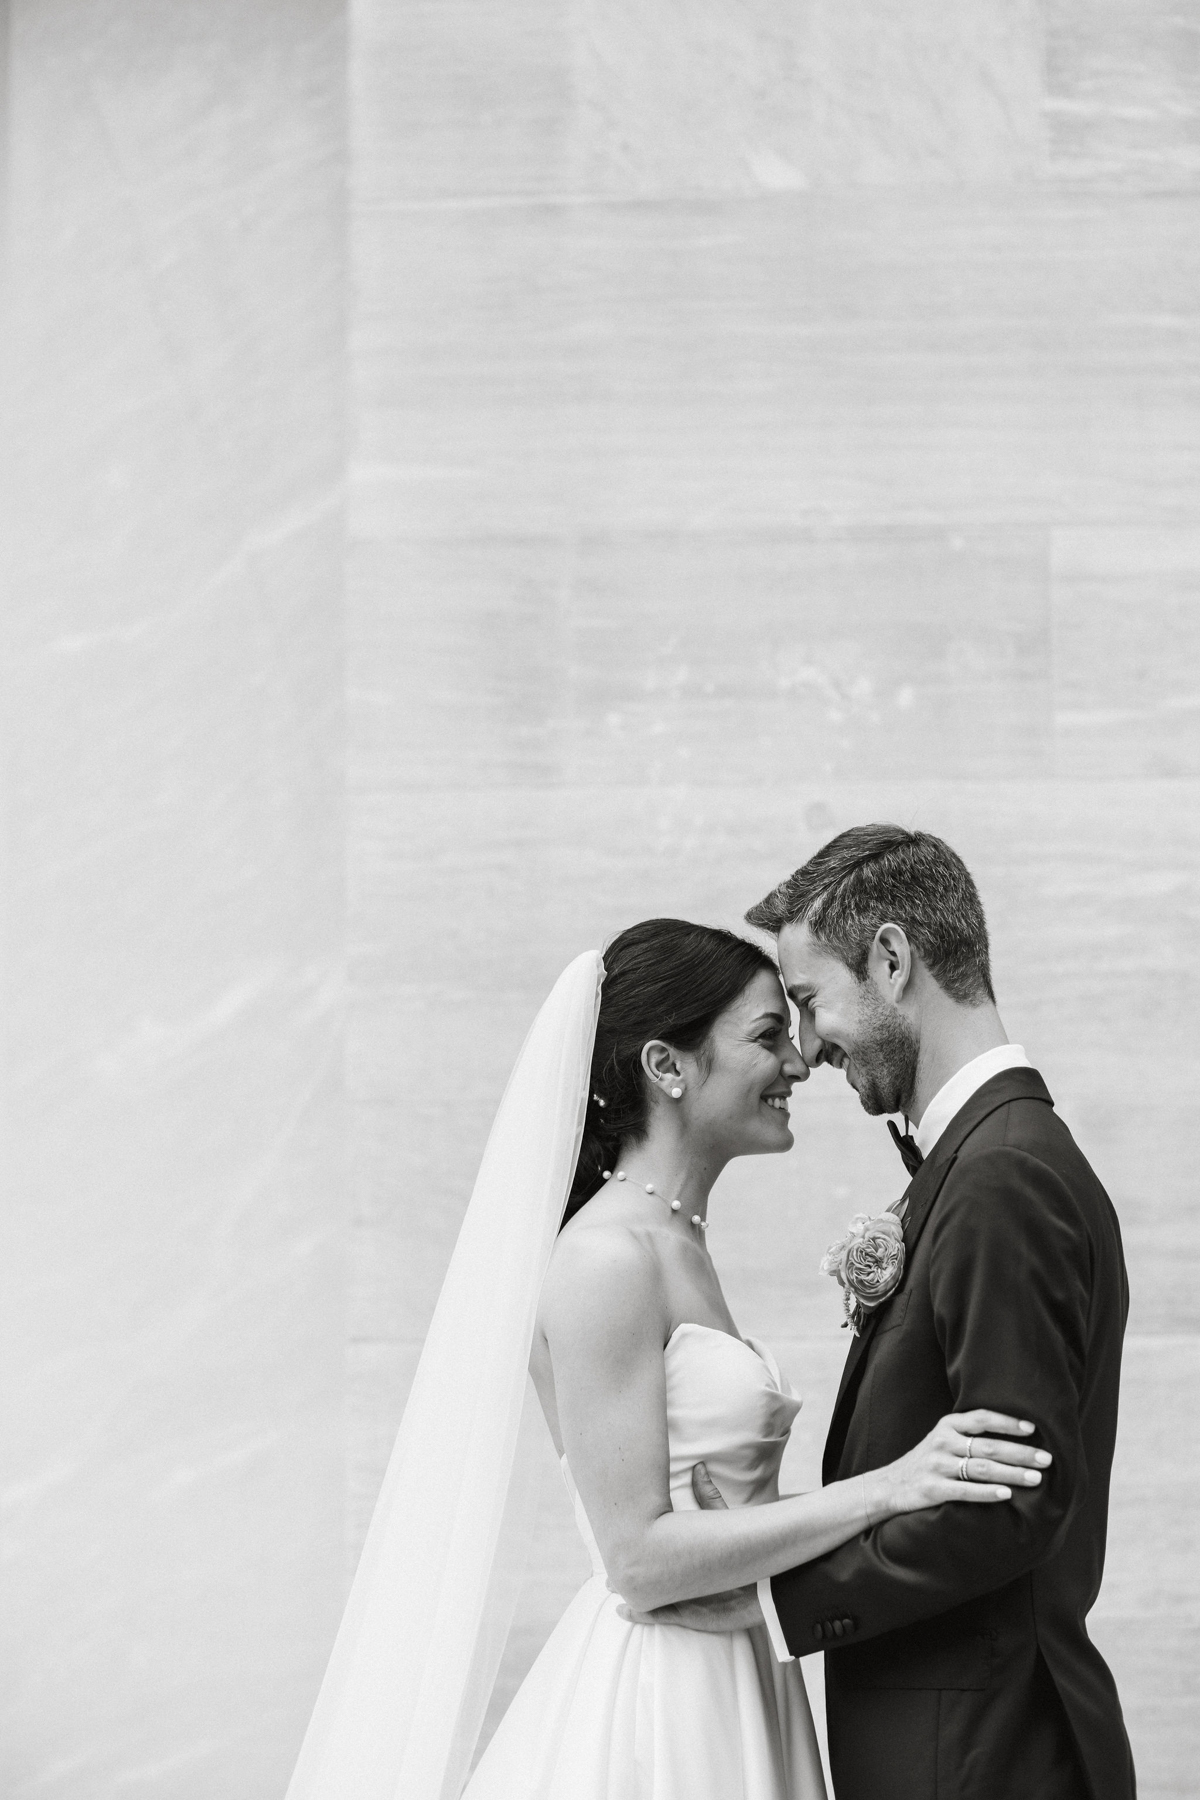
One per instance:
(173, 1180)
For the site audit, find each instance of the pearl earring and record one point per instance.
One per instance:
(677, 1093)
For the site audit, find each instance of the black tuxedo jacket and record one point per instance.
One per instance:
(958, 1665)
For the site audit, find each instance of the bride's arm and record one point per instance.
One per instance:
(606, 1322)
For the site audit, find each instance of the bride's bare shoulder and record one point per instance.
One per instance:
(602, 1269)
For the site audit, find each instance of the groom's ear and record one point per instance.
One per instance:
(890, 961)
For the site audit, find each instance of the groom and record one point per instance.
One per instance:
(957, 1660)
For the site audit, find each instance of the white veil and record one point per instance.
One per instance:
(403, 1698)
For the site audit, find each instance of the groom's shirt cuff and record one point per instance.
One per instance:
(771, 1619)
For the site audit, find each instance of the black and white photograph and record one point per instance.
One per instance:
(600, 844)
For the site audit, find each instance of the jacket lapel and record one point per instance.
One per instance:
(922, 1191)
(918, 1198)
(1011, 1084)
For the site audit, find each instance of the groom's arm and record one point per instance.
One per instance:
(1009, 1277)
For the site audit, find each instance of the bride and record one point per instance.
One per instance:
(628, 1112)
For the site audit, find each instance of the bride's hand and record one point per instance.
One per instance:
(965, 1457)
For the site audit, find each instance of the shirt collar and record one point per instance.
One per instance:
(951, 1098)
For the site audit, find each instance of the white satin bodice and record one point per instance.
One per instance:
(614, 1710)
(729, 1407)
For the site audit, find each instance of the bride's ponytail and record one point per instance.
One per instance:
(597, 1152)
(664, 978)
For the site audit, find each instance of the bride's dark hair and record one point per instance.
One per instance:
(663, 979)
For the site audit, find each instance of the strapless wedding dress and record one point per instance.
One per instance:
(614, 1711)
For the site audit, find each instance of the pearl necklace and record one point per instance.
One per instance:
(676, 1205)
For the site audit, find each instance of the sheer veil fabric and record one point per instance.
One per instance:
(413, 1664)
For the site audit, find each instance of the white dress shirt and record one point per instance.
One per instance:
(948, 1101)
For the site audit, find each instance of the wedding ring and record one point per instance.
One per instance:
(964, 1471)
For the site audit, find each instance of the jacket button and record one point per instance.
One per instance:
(849, 1624)
(818, 1631)
(839, 1625)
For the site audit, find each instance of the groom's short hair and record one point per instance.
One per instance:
(874, 875)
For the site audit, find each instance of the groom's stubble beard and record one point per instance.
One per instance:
(885, 1057)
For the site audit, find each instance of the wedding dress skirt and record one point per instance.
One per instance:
(614, 1711)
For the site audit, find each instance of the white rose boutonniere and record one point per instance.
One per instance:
(867, 1264)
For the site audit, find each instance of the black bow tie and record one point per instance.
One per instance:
(906, 1144)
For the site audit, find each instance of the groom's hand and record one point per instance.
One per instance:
(709, 1497)
(736, 1610)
